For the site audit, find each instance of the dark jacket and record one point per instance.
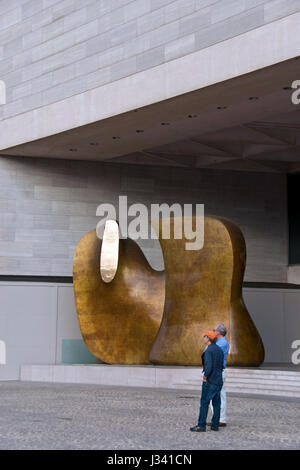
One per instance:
(213, 361)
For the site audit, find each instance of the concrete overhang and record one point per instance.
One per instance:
(229, 102)
(251, 117)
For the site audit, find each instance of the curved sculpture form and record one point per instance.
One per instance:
(204, 288)
(119, 319)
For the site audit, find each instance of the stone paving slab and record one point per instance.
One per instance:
(67, 416)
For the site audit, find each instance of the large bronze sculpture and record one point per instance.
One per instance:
(130, 314)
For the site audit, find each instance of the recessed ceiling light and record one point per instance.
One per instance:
(222, 107)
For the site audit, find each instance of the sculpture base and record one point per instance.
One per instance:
(259, 381)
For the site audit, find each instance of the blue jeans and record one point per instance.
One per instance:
(223, 399)
(210, 392)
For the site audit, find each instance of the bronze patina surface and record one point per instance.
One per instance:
(136, 315)
(204, 288)
(119, 320)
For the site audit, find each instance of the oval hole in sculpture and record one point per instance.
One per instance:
(109, 256)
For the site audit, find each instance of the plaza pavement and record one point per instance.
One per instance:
(62, 416)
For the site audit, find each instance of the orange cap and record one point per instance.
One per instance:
(211, 335)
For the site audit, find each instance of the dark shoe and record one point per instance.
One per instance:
(197, 429)
(214, 429)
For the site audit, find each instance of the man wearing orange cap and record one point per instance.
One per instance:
(213, 362)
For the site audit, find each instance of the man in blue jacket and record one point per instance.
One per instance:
(213, 362)
(222, 342)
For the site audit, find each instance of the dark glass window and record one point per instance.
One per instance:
(294, 218)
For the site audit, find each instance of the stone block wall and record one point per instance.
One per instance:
(46, 206)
